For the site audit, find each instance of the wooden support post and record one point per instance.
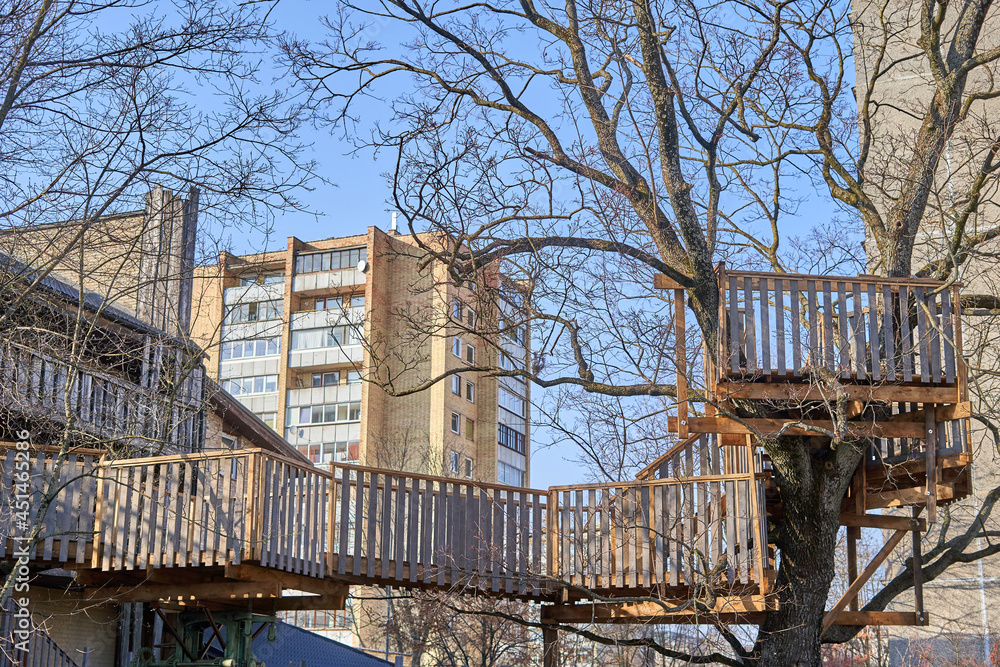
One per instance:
(680, 335)
(550, 647)
(856, 585)
(930, 433)
(852, 560)
(918, 573)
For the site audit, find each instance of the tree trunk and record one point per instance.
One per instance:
(811, 483)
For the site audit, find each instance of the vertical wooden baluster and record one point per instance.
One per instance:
(873, 329)
(734, 315)
(413, 532)
(906, 345)
(949, 337)
(750, 325)
(889, 332)
(385, 546)
(829, 342)
(427, 530)
(794, 294)
(815, 344)
(923, 336)
(536, 538)
(371, 546)
(399, 532)
(779, 325)
(765, 328)
(523, 542)
(858, 326)
(345, 517)
(360, 523)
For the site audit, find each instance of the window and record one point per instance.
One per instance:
(353, 377)
(470, 392)
(509, 363)
(229, 442)
(456, 422)
(255, 347)
(358, 300)
(511, 402)
(326, 379)
(510, 438)
(255, 312)
(308, 339)
(468, 467)
(471, 317)
(330, 261)
(262, 278)
(330, 413)
(257, 384)
(470, 354)
(453, 463)
(456, 385)
(269, 418)
(509, 475)
(470, 428)
(456, 346)
(456, 309)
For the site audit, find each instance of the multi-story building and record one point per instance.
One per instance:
(360, 349)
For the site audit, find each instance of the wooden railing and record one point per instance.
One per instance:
(863, 329)
(105, 406)
(41, 651)
(701, 521)
(400, 529)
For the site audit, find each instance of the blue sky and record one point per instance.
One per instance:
(359, 192)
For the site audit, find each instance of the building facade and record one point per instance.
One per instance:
(360, 349)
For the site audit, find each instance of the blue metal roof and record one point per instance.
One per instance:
(301, 648)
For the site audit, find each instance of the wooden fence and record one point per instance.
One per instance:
(780, 325)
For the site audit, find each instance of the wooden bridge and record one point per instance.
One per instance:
(834, 357)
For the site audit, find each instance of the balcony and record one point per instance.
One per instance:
(321, 395)
(327, 356)
(312, 319)
(250, 293)
(327, 280)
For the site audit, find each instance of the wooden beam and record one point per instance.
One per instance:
(185, 593)
(661, 281)
(298, 582)
(768, 426)
(883, 522)
(916, 495)
(879, 618)
(799, 389)
(856, 585)
(309, 603)
(652, 612)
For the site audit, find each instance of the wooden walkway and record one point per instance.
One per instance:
(224, 527)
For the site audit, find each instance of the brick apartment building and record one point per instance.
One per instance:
(308, 336)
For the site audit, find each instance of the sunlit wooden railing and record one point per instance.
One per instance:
(864, 329)
(390, 528)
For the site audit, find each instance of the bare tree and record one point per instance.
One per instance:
(582, 148)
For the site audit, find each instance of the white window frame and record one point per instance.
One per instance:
(456, 423)
(470, 391)
(454, 462)
(456, 385)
